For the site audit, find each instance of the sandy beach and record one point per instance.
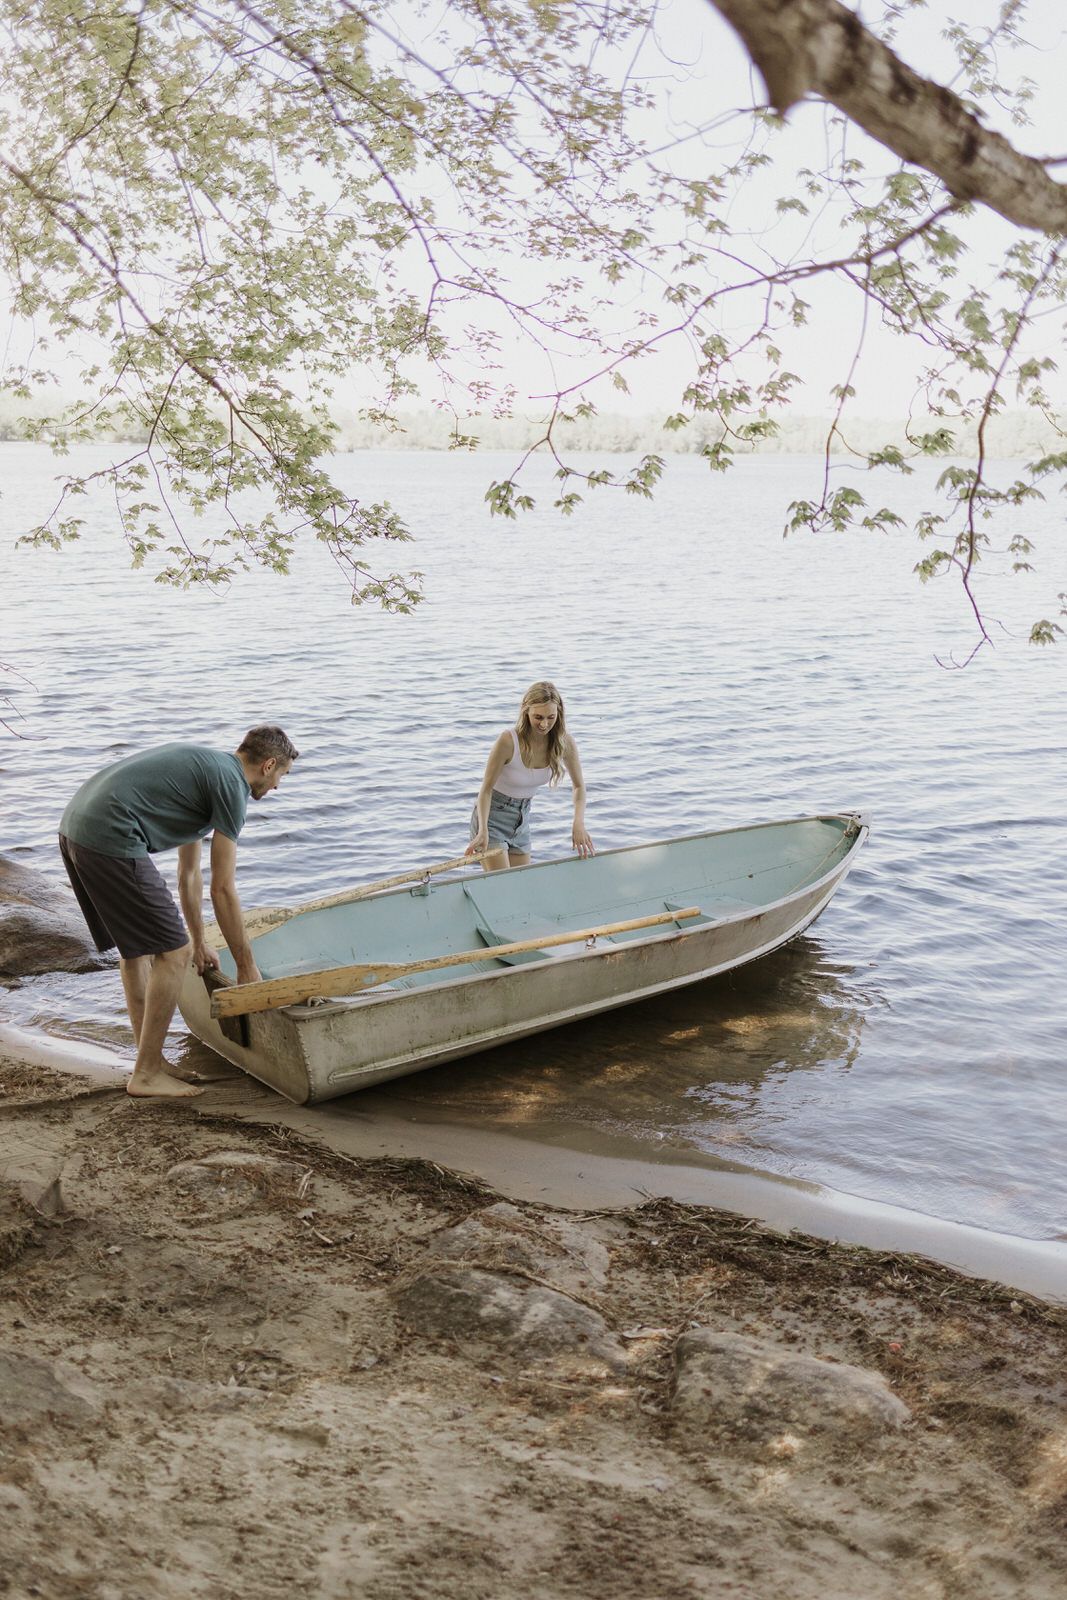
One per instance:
(237, 1363)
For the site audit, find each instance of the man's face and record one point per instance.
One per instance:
(269, 776)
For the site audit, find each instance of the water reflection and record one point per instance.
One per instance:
(681, 1067)
(73, 1006)
(759, 680)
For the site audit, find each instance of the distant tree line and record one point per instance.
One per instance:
(1013, 435)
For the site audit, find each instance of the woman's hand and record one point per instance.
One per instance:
(582, 842)
(479, 843)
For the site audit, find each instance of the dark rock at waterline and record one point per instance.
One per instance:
(758, 1393)
(508, 1314)
(41, 927)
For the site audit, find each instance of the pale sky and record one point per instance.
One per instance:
(720, 76)
(705, 75)
(711, 77)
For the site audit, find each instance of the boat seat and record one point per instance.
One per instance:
(710, 910)
(516, 929)
(412, 980)
(313, 963)
(417, 980)
(528, 928)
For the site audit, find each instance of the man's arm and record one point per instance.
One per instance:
(191, 896)
(227, 906)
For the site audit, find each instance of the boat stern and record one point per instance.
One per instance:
(268, 1046)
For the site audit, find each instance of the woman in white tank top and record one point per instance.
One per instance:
(536, 751)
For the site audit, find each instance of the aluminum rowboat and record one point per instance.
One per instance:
(757, 887)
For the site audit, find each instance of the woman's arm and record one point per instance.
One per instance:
(499, 757)
(579, 835)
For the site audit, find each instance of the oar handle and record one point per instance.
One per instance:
(265, 920)
(272, 993)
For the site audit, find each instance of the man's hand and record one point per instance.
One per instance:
(248, 972)
(204, 957)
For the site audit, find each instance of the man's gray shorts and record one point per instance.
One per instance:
(125, 902)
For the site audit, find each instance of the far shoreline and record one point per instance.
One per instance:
(376, 1125)
(1016, 434)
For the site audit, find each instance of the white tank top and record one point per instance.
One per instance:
(517, 781)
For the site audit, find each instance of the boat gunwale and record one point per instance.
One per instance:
(302, 1016)
(302, 1012)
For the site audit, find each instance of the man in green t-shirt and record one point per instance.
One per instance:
(168, 798)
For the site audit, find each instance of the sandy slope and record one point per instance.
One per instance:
(211, 1385)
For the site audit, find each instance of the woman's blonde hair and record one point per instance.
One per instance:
(541, 694)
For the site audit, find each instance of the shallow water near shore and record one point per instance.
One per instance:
(907, 1050)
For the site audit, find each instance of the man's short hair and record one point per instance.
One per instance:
(265, 743)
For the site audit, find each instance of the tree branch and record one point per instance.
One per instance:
(820, 48)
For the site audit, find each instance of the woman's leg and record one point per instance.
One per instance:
(504, 817)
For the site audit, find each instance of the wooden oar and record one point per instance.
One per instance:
(264, 919)
(239, 998)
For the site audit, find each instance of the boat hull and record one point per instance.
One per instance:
(319, 1051)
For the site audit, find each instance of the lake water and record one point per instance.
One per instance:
(909, 1048)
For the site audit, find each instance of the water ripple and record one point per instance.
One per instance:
(909, 1048)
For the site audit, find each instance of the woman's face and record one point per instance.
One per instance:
(543, 717)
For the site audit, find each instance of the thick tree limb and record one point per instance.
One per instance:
(820, 48)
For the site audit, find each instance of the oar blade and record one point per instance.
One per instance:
(273, 993)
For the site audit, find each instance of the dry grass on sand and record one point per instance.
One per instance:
(210, 1387)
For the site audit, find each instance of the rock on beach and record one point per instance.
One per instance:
(41, 927)
(478, 1309)
(755, 1391)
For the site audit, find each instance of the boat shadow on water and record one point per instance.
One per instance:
(685, 1059)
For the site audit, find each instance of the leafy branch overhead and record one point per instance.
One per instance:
(224, 213)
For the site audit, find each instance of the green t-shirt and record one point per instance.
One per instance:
(158, 800)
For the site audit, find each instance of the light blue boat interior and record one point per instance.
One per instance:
(725, 874)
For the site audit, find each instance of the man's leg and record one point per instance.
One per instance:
(127, 903)
(152, 985)
(135, 983)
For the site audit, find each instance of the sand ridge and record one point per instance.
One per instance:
(215, 1382)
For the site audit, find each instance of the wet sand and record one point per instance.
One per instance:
(216, 1382)
(579, 1176)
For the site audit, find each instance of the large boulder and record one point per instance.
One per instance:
(754, 1392)
(41, 927)
(490, 1311)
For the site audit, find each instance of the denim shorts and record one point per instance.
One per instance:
(509, 822)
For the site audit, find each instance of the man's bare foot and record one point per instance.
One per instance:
(160, 1086)
(185, 1074)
